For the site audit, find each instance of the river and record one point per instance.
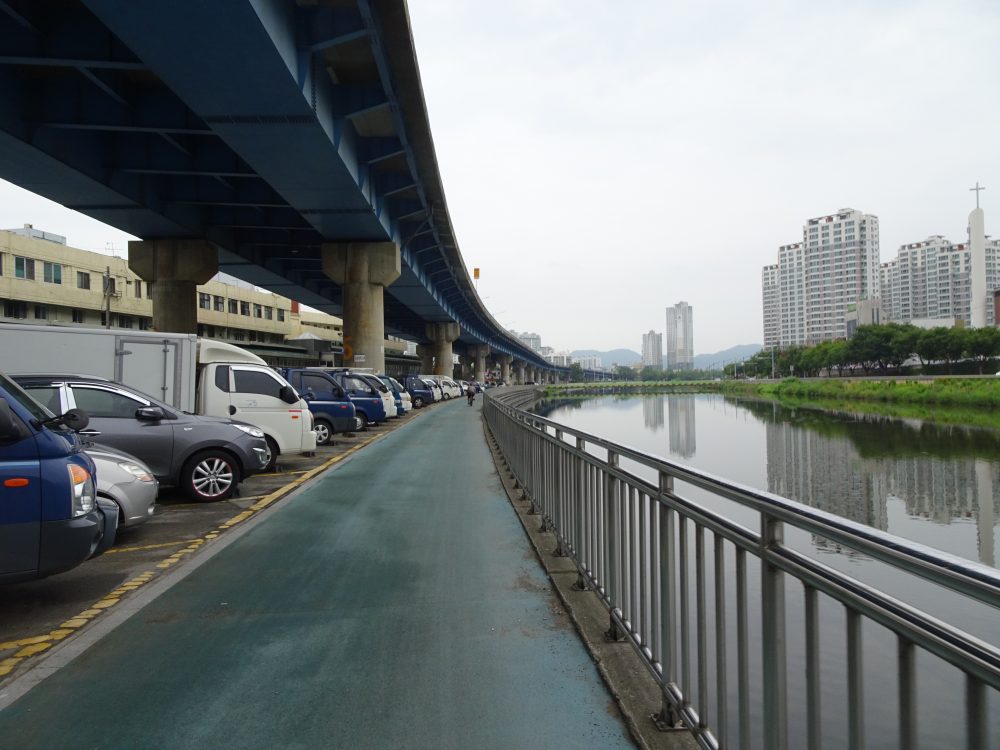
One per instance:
(934, 484)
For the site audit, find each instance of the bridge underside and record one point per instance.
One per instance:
(268, 128)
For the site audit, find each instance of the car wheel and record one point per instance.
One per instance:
(210, 475)
(418, 402)
(324, 431)
(272, 454)
(359, 423)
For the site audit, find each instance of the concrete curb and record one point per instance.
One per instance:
(636, 693)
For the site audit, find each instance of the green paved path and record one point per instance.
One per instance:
(394, 603)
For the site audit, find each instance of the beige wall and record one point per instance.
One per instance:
(131, 303)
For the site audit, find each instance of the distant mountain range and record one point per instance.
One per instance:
(628, 357)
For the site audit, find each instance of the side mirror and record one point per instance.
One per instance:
(149, 413)
(10, 426)
(288, 394)
(309, 395)
(75, 419)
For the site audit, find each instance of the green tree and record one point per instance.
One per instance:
(624, 373)
(576, 373)
(982, 344)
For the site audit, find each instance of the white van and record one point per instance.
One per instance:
(449, 388)
(237, 384)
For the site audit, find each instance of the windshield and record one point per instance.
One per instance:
(20, 395)
(396, 385)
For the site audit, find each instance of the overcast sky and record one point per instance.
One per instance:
(605, 160)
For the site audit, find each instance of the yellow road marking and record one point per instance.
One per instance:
(117, 550)
(37, 644)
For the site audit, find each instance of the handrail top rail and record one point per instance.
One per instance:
(972, 578)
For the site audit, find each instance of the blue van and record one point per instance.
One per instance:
(367, 401)
(50, 517)
(333, 411)
(421, 394)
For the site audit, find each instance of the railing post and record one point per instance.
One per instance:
(613, 555)
(668, 717)
(773, 636)
(585, 552)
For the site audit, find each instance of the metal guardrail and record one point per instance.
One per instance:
(642, 548)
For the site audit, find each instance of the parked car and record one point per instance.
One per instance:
(396, 391)
(205, 456)
(420, 393)
(367, 401)
(436, 387)
(127, 482)
(332, 409)
(388, 399)
(51, 519)
(404, 395)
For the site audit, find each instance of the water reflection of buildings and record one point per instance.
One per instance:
(680, 414)
(808, 466)
(652, 412)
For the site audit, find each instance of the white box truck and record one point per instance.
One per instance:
(201, 376)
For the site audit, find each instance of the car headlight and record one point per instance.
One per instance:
(249, 430)
(137, 471)
(83, 496)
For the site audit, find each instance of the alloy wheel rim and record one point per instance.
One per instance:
(322, 433)
(212, 477)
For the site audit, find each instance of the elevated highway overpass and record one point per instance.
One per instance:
(284, 142)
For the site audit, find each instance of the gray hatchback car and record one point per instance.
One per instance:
(205, 456)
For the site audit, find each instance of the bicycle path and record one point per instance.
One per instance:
(393, 603)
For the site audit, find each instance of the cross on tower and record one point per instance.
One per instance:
(977, 189)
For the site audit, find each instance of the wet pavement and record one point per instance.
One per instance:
(391, 601)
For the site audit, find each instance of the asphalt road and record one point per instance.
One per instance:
(392, 602)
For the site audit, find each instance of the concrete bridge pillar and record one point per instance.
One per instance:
(480, 352)
(175, 268)
(443, 335)
(426, 354)
(505, 360)
(364, 270)
(519, 372)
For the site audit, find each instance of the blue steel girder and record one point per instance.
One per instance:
(320, 134)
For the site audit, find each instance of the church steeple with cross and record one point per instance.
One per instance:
(977, 189)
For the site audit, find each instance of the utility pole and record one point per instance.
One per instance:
(107, 297)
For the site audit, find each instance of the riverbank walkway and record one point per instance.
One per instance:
(394, 602)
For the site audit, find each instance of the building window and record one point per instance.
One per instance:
(82, 280)
(244, 308)
(258, 311)
(205, 301)
(281, 315)
(268, 312)
(124, 321)
(237, 335)
(145, 324)
(1, 264)
(52, 272)
(233, 309)
(78, 316)
(110, 285)
(220, 303)
(14, 309)
(24, 268)
(138, 289)
(149, 290)
(41, 312)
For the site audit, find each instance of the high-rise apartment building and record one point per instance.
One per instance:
(836, 265)
(932, 280)
(680, 337)
(771, 291)
(532, 340)
(652, 350)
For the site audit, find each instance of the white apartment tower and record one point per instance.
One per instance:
(680, 337)
(652, 350)
(770, 288)
(836, 265)
(841, 267)
(933, 280)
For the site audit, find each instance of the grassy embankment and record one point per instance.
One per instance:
(969, 401)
